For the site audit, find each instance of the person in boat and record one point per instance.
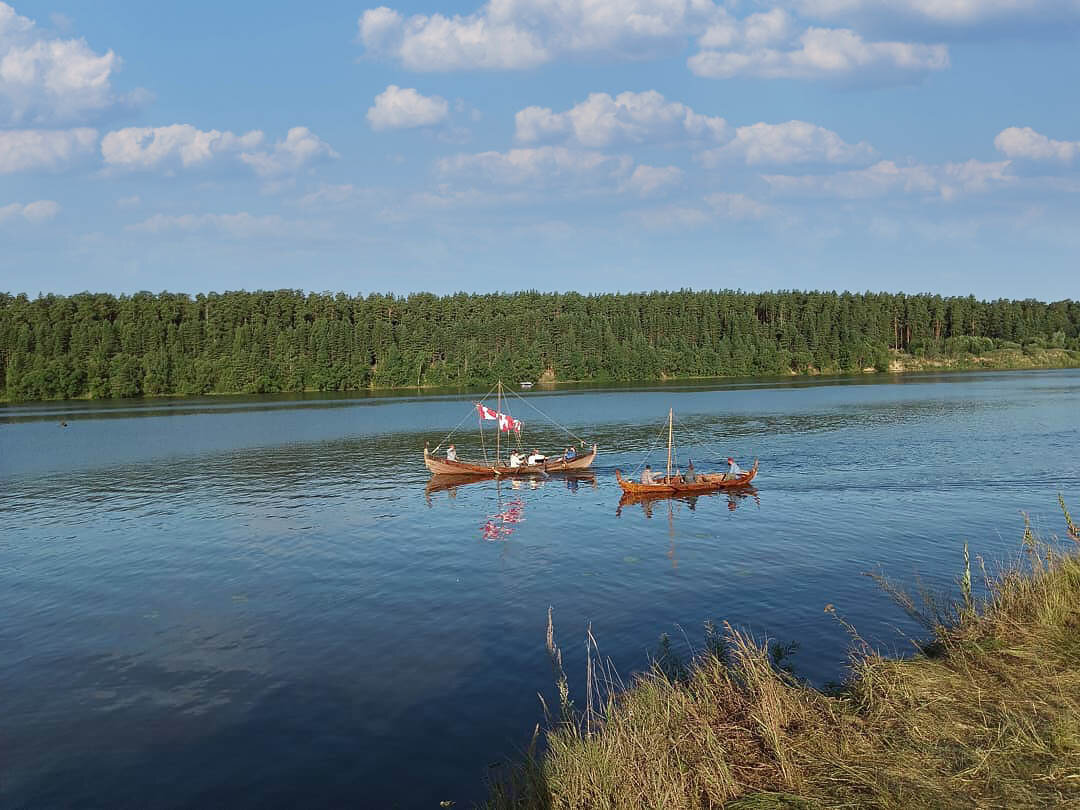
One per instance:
(733, 470)
(451, 453)
(536, 458)
(570, 453)
(689, 476)
(647, 475)
(515, 459)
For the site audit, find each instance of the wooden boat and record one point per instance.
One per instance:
(707, 482)
(557, 464)
(673, 484)
(440, 466)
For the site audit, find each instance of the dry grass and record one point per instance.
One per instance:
(988, 716)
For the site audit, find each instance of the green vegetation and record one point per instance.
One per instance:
(986, 715)
(101, 345)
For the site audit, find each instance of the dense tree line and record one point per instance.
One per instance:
(102, 345)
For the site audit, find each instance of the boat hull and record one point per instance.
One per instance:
(708, 482)
(440, 466)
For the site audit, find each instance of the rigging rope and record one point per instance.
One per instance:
(560, 427)
(454, 429)
(641, 464)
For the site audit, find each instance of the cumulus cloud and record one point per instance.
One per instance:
(629, 117)
(185, 146)
(647, 180)
(886, 177)
(541, 166)
(300, 148)
(787, 143)
(28, 149)
(34, 213)
(404, 107)
(49, 80)
(518, 34)
(521, 34)
(821, 53)
(1026, 143)
(178, 144)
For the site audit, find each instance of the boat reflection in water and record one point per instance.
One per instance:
(509, 495)
(733, 497)
(450, 483)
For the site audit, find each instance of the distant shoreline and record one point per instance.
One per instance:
(900, 363)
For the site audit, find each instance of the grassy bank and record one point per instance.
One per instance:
(986, 715)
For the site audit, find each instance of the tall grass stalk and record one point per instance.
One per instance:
(986, 715)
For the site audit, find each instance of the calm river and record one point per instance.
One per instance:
(253, 602)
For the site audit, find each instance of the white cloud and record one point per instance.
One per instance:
(300, 148)
(885, 177)
(50, 80)
(647, 180)
(28, 149)
(787, 143)
(182, 144)
(737, 206)
(541, 166)
(629, 117)
(877, 180)
(518, 34)
(400, 108)
(521, 34)
(35, 212)
(1024, 142)
(822, 53)
(956, 13)
(973, 177)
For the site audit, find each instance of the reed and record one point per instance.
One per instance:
(987, 714)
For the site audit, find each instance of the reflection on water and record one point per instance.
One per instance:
(206, 583)
(732, 496)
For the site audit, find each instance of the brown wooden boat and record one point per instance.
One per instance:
(440, 466)
(674, 484)
(707, 482)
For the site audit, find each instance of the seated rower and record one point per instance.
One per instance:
(515, 460)
(451, 453)
(647, 476)
(733, 470)
(570, 453)
(690, 477)
(536, 458)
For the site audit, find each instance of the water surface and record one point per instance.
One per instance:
(253, 602)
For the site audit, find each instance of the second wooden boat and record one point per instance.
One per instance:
(675, 485)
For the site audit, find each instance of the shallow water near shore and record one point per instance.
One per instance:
(253, 601)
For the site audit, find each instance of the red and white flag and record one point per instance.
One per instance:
(506, 422)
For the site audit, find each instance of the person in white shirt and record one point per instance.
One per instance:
(515, 460)
(647, 476)
(451, 453)
(536, 457)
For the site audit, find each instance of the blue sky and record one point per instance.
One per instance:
(596, 145)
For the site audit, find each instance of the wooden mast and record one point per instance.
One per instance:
(498, 427)
(670, 417)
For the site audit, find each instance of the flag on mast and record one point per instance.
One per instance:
(506, 422)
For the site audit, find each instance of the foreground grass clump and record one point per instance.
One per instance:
(986, 715)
